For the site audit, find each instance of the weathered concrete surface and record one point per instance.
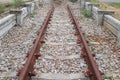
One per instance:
(113, 25)
(6, 24)
(6, 1)
(110, 0)
(60, 76)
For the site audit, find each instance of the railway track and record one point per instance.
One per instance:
(60, 52)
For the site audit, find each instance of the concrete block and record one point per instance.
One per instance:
(47, 1)
(30, 7)
(60, 76)
(111, 28)
(37, 2)
(89, 7)
(82, 4)
(6, 24)
(112, 21)
(100, 15)
(114, 25)
(94, 12)
(20, 15)
(85, 1)
(23, 14)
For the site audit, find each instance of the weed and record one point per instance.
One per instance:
(14, 3)
(18, 3)
(95, 1)
(2, 8)
(86, 13)
(7, 5)
(108, 77)
(73, 1)
(45, 46)
(32, 15)
(117, 5)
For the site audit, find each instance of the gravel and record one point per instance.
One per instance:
(60, 41)
(102, 43)
(18, 42)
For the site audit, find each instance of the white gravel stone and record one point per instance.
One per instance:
(18, 42)
(60, 42)
(107, 51)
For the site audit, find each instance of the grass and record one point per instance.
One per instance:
(94, 1)
(108, 77)
(86, 13)
(13, 4)
(1, 8)
(117, 5)
(73, 1)
(32, 15)
(17, 3)
(109, 6)
(5, 6)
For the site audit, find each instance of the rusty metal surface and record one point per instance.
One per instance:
(93, 72)
(28, 70)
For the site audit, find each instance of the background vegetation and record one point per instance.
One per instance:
(86, 13)
(13, 4)
(109, 6)
(73, 1)
(1, 8)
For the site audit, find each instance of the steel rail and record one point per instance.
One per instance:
(94, 73)
(28, 70)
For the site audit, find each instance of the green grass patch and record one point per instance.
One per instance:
(17, 3)
(5, 6)
(108, 77)
(2, 8)
(95, 1)
(13, 4)
(73, 1)
(117, 5)
(86, 13)
(32, 15)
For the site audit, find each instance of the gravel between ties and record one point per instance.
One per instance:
(60, 41)
(19, 41)
(102, 43)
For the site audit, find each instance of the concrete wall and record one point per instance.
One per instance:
(6, 1)
(6, 24)
(16, 17)
(45, 1)
(110, 0)
(103, 17)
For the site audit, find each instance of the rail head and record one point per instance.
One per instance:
(92, 65)
(28, 70)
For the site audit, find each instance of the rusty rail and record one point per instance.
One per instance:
(93, 72)
(28, 70)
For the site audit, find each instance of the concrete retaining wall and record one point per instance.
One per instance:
(103, 17)
(8, 1)
(22, 15)
(16, 17)
(45, 1)
(6, 24)
(112, 24)
(94, 11)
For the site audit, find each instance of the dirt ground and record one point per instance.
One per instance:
(110, 0)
